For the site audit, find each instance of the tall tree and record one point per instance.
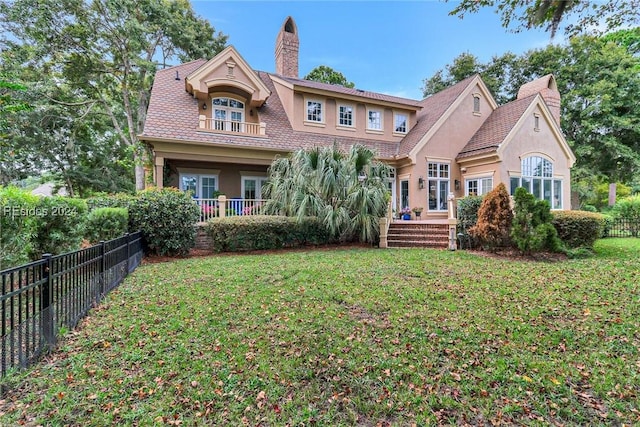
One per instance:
(326, 74)
(10, 105)
(589, 16)
(109, 51)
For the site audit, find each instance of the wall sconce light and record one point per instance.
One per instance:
(457, 184)
(420, 183)
(463, 169)
(251, 113)
(204, 105)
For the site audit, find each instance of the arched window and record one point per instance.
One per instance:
(228, 114)
(537, 178)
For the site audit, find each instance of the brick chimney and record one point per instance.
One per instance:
(547, 88)
(287, 47)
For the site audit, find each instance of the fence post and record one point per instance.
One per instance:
(46, 309)
(103, 270)
(128, 236)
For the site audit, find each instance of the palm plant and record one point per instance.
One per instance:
(346, 190)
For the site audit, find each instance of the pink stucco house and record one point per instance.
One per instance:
(216, 126)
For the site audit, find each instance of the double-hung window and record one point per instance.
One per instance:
(374, 119)
(200, 185)
(400, 123)
(478, 186)
(314, 111)
(345, 115)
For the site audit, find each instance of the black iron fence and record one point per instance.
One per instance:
(621, 228)
(41, 298)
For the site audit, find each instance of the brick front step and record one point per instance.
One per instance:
(417, 244)
(404, 235)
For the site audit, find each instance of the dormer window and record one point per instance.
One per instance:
(314, 111)
(228, 114)
(345, 115)
(374, 119)
(400, 123)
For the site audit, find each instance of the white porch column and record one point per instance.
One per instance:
(383, 232)
(222, 206)
(453, 221)
(158, 172)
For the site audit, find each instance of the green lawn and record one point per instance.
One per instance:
(351, 337)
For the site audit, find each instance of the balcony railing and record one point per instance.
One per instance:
(231, 126)
(223, 207)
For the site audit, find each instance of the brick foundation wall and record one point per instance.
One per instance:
(203, 240)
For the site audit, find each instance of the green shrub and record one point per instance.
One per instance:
(167, 218)
(468, 208)
(532, 230)
(59, 225)
(106, 224)
(628, 209)
(494, 219)
(589, 208)
(17, 226)
(600, 197)
(247, 233)
(119, 200)
(578, 229)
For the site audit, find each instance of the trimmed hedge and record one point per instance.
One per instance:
(578, 229)
(106, 224)
(166, 218)
(59, 225)
(119, 200)
(246, 233)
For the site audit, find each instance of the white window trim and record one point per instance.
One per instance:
(553, 178)
(199, 176)
(438, 179)
(258, 178)
(375, 130)
(479, 179)
(406, 122)
(323, 112)
(353, 116)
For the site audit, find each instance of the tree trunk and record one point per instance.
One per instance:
(139, 159)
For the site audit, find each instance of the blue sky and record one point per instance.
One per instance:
(382, 46)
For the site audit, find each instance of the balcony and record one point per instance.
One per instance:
(232, 127)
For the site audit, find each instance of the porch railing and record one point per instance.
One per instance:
(255, 129)
(223, 207)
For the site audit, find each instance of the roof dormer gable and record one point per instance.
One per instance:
(227, 72)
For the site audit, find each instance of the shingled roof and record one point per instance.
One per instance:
(496, 128)
(353, 92)
(173, 115)
(433, 108)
